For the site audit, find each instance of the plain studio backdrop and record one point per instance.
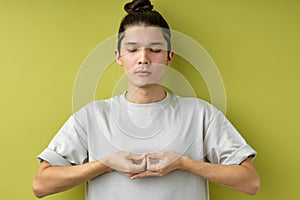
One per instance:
(254, 43)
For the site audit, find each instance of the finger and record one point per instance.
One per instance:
(128, 174)
(158, 155)
(134, 156)
(145, 174)
(154, 166)
(154, 162)
(141, 167)
(148, 162)
(144, 163)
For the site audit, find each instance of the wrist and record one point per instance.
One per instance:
(184, 163)
(104, 167)
(107, 168)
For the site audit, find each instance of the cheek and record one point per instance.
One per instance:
(161, 59)
(128, 64)
(127, 60)
(127, 69)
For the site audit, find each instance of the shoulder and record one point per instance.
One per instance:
(195, 103)
(97, 106)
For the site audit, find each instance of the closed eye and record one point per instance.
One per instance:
(155, 50)
(131, 50)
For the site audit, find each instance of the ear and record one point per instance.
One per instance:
(170, 58)
(118, 58)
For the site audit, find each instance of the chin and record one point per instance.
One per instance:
(144, 85)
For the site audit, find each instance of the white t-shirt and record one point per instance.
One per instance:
(189, 126)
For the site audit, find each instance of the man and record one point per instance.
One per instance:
(146, 143)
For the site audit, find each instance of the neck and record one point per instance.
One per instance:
(147, 94)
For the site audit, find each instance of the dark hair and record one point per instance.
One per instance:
(140, 12)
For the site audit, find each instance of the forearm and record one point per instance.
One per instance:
(53, 179)
(241, 177)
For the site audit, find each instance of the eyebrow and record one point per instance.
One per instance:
(156, 43)
(151, 44)
(130, 43)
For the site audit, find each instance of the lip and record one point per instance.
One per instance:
(143, 73)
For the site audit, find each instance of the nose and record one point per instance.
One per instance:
(143, 57)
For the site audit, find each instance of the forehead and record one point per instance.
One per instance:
(143, 35)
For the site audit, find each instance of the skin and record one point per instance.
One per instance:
(144, 57)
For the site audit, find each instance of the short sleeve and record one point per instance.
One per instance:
(223, 144)
(68, 147)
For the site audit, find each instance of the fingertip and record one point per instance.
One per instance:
(148, 163)
(143, 155)
(150, 155)
(144, 162)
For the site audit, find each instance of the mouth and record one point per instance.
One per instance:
(143, 73)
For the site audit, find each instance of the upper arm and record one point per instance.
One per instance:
(44, 164)
(68, 147)
(248, 164)
(223, 144)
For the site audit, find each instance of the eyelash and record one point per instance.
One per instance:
(152, 50)
(155, 50)
(131, 50)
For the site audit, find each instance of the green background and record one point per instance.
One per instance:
(254, 43)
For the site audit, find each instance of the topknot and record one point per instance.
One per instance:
(138, 6)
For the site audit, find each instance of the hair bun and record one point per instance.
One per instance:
(138, 6)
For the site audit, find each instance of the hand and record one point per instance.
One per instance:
(126, 162)
(160, 164)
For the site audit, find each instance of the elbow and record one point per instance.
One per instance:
(38, 190)
(254, 186)
(39, 184)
